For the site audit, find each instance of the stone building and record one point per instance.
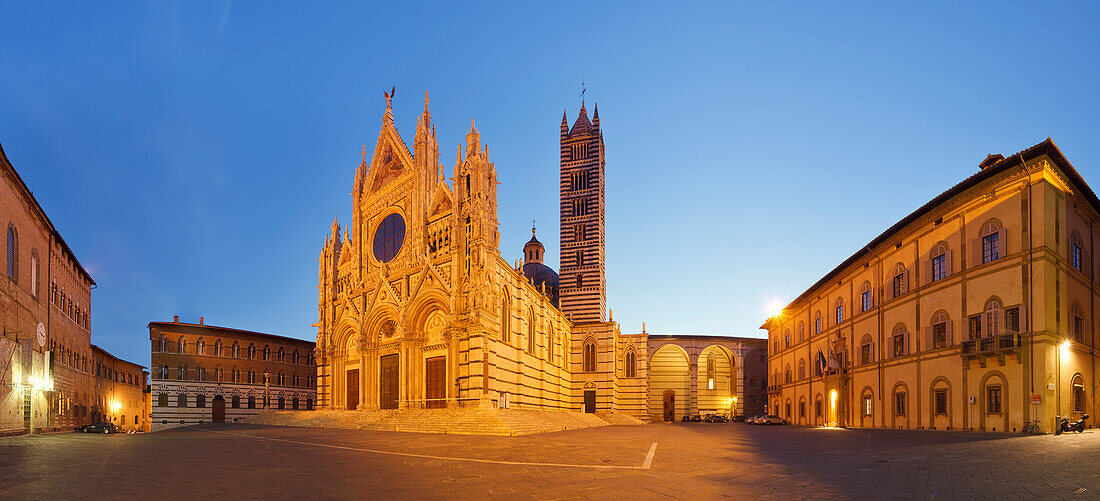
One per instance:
(46, 360)
(975, 312)
(705, 375)
(120, 395)
(417, 307)
(203, 373)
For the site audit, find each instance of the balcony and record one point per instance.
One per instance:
(774, 388)
(992, 345)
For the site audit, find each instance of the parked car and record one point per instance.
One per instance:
(773, 419)
(102, 427)
(716, 418)
(757, 419)
(738, 418)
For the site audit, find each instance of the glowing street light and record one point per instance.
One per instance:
(1065, 348)
(115, 406)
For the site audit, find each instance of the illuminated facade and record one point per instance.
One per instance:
(120, 395)
(47, 368)
(976, 312)
(208, 374)
(417, 308)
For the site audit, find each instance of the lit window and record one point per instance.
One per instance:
(939, 269)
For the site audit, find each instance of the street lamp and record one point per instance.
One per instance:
(267, 387)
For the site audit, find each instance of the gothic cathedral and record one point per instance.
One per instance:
(418, 309)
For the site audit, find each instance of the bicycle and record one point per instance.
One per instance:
(1031, 428)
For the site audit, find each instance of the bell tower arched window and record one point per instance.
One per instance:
(588, 361)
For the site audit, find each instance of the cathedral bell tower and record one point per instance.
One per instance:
(582, 282)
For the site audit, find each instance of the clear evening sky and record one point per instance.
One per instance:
(193, 154)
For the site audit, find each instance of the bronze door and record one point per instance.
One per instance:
(353, 389)
(590, 401)
(670, 406)
(387, 389)
(435, 382)
(219, 409)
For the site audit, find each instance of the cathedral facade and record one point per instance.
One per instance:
(417, 307)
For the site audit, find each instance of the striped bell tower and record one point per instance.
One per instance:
(582, 283)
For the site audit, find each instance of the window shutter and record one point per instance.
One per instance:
(928, 338)
(905, 280)
(976, 252)
(1002, 243)
(1023, 318)
(1086, 266)
(998, 321)
(950, 337)
(947, 263)
(926, 272)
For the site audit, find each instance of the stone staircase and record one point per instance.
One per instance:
(463, 421)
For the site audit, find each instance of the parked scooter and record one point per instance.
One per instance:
(1064, 426)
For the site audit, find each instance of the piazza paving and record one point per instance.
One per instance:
(680, 460)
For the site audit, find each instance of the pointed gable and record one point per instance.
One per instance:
(582, 125)
(391, 158)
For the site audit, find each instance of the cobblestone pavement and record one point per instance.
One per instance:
(691, 460)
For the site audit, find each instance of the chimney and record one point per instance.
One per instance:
(175, 319)
(200, 320)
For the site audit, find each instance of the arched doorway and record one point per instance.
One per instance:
(219, 409)
(669, 373)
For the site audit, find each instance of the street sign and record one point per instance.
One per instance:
(1035, 399)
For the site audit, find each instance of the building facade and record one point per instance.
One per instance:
(120, 395)
(47, 365)
(208, 374)
(417, 308)
(976, 312)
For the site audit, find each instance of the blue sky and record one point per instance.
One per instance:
(193, 154)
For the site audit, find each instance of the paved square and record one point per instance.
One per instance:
(691, 460)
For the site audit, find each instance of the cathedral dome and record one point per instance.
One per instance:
(537, 273)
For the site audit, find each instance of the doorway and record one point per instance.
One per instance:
(435, 382)
(590, 401)
(670, 405)
(353, 389)
(219, 409)
(387, 389)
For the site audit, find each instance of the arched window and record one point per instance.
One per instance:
(939, 262)
(588, 361)
(1078, 394)
(801, 368)
(282, 354)
(236, 351)
(163, 344)
(712, 370)
(13, 249)
(900, 337)
(530, 331)
(200, 375)
(1075, 251)
(34, 273)
(251, 376)
(295, 358)
(181, 345)
(992, 242)
(787, 374)
(282, 379)
(1078, 324)
(865, 299)
(631, 369)
(218, 348)
(817, 323)
(786, 339)
(267, 353)
(899, 281)
(940, 331)
(993, 318)
(839, 310)
(506, 319)
(200, 347)
(866, 350)
(801, 331)
(251, 351)
(181, 373)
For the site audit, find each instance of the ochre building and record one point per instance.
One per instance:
(978, 311)
(418, 308)
(120, 395)
(47, 366)
(208, 374)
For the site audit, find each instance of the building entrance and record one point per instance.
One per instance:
(219, 409)
(435, 382)
(388, 383)
(590, 401)
(353, 389)
(670, 405)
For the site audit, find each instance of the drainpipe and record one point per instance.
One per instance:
(1030, 287)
